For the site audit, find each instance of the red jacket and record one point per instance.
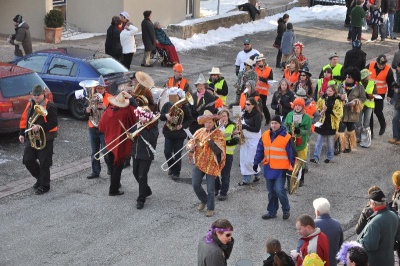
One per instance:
(318, 243)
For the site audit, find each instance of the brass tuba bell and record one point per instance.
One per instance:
(177, 113)
(93, 100)
(37, 138)
(295, 176)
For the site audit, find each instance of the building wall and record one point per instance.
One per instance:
(32, 11)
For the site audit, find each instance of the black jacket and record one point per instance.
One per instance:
(286, 99)
(187, 120)
(253, 121)
(280, 30)
(113, 45)
(224, 90)
(356, 58)
(286, 260)
(206, 103)
(141, 150)
(148, 35)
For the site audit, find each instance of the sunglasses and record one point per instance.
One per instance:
(349, 77)
(228, 235)
(246, 44)
(303, 75)
(248, 104)
(214, 74)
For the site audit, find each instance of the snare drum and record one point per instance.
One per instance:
(160, 97)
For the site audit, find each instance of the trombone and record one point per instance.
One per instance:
(196, 142)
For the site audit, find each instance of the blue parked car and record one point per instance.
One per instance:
(62, 69)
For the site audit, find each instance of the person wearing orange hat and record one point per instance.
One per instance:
(298, 124)
(178, 80)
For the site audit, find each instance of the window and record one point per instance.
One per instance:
(19, 85)
(107, 66)
(34, 63)
(62, 67)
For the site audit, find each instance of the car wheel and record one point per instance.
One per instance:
(77, 108)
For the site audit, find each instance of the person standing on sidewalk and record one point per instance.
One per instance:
(22, 37)
(113, 45)
(148, 38)
(392, 8)
(357, 15)
(278, 39)
(39, 161)
(128, 42)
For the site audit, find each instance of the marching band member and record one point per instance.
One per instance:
(228, 130)
(96, 137)
(264, 74)
(282, 99)
(251, 128)
(276, 150)
(38, 161)
(249, 92)
(291, 72)
(203, 100)
(218, 103)
(145, 82)
(143, 151)
(245, 75)
(218, 83)
(178, 80)
(119, 109)
(209, 155)
(174, 133)
(298, 124)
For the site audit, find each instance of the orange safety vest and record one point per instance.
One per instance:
(23, 123)
(105, 101)
(380, 79)
(180, 84)
(219, 103)
(275, 152)
(310, 110)
(262, 87)
(292, 77)
(243, 98)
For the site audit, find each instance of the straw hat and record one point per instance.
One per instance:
(119, 101)
(215, 71)
(144, 79)
(249, 62)
(207, 115)
(260, 57)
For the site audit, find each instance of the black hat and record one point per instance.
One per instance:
(381, 59)
(17, 19)
(377, 196)
(277, 118)
(306, 71)
(147, 13)
(37, 90)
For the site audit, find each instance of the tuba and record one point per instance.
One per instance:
(144, 81)
(177, 113)
(295, 175)
(37, 138)
(93, 100)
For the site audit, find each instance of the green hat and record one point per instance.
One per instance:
(365, 73)
(37, 90)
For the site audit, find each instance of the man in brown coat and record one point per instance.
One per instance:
(22, 37)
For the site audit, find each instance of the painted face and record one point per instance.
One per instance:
(224, 237)
(209, 124)
(275, 126)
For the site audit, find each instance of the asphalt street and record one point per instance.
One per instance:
(77, 223)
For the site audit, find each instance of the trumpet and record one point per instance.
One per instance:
(190, 147)
(128, 136)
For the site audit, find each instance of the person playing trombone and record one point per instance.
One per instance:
(143, 151)
(208, 151)
(174, 134)
(120, 110)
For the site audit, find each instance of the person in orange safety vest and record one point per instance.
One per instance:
(264, 74)
(178, 80)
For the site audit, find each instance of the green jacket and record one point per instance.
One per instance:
(305, 130)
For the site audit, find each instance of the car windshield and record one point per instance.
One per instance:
(106, 66)
(19, 85)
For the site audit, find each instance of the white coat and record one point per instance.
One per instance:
(127, 38)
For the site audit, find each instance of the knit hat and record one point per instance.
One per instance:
(125, 14)
(377, 196)
(299, 101)
(37, 90)
(381, 59)
(17, 19)
(332, 55)
(277, 118)
(396, 178)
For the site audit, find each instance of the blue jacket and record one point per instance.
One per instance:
(270, 173)
(288, 40)
(333, 230)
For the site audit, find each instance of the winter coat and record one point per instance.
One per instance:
(396, 100)
(356, 58)
(378, 237)
(333, 230)
(363, 219)
(358, 92)
(187, 120)
(141, 150)
(215, 253)
(286, 99)
(288, 40)
(305, 130)
(334, 111)
(22, 36)
(286, 259)
(128, 39)
(113, 45)
(162, 37)
(148, 35)
(252, 120)
(320, 246)
(280, 30)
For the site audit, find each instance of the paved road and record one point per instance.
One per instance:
(77, 223)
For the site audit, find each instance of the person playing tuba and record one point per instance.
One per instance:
(94, 111)
(39, 159)
(140, 90)
(176, 113)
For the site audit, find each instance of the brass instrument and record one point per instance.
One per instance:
(293, 134)
(177, 113)
(242, 139)
(37, 136)
(140, 99)
(295, 176)
(93, 100)
(144, 81)
(129, 135)
(189, 146)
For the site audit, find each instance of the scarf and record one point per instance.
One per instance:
(324, 85)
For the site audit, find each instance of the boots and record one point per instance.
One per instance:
(353, 139)
(347, 147)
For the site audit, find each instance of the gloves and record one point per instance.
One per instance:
(255, 168)
(245, 127)
(297, 130)
(370, 96)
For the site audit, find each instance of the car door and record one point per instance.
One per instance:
(60, 76)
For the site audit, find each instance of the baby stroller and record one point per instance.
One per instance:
(160, 55)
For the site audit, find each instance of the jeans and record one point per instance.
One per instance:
(396, 124)
(96, 143)
(276, 190)
(140, 169)
(172, 146)
(364, 121)
(382, 27)
(355, 33)
(223, 185)
(389, 25)
(320, 142)
(205, 198)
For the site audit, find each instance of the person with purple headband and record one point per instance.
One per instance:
(215, 248)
